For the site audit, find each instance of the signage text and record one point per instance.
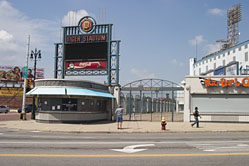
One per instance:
(86, 38)
(226, 83)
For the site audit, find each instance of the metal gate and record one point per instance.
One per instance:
(149, 99)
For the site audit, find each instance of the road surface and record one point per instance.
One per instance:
(41, 148)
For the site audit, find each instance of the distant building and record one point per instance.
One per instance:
(218, 85)
(231, 61)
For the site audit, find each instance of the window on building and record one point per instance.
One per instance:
(234, 51)
(228, 53)
(219, 57)
(206, 61)
(194, 72)
(69, 104)
(199, 71)
(223, 55)
(246, 46)
(234, 58)
(206, 68)
(214, 65)
(224, 62)
(246, 56)
(210, 60)
(214, 58)
(203, 62)
(239, 48)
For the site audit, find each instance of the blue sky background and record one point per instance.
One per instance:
(157, 36)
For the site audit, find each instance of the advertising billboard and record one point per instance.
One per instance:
(232, 69)
(87, 48)
(86, 65)
(220, 71)
(5, 91)
(14, 73)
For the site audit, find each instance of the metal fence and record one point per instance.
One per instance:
(149, 109)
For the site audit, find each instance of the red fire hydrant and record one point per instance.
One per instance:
(163, 123)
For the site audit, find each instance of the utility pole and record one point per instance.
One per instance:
(25, 69)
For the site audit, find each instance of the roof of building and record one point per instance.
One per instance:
(68, 91)
(222, 52)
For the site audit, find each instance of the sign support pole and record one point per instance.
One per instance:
(23, 113)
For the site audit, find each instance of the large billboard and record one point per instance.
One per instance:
(14, 73)
(86, 47)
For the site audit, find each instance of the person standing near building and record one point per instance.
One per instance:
(119, 114)
(196, 115)
(133, 112)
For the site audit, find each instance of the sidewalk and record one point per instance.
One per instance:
(128, 127)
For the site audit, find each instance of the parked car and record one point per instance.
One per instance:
(4, 109)
(27, 108)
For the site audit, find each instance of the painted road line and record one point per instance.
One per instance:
(221, 147)
(209, 150)
(191, 143)
(35, 131)
(131, 148)
(73, 143)
(125, 155)
(59, 137)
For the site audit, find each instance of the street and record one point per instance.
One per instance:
(43, 148)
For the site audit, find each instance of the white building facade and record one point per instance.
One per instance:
(219, 98)
(218, 85)
(232, 61)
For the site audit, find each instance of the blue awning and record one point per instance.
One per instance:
(68, 91)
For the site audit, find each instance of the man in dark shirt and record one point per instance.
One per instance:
(196, 115)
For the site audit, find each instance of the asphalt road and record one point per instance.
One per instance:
(36, 148)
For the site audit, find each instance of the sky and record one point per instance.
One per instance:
(157, 36)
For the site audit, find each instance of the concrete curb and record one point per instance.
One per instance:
(129, 127)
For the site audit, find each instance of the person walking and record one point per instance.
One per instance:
(119, 114)
(196, 115)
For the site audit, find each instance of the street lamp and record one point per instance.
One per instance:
(35, 55)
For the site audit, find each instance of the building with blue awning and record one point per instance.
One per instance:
(71, 101)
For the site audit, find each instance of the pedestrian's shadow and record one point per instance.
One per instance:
(124, 128)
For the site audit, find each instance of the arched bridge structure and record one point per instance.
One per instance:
(150, 96)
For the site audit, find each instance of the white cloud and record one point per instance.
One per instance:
(140, 74)
(5, 36)
(73, 17)
(216, 11)
(211, 48)
(14, 30)
(197, 40)
(177, 63)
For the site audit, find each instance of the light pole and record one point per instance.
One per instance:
(35, 55)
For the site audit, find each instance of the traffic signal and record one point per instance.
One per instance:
(28, 85)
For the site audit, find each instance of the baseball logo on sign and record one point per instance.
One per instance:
(87, 24)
